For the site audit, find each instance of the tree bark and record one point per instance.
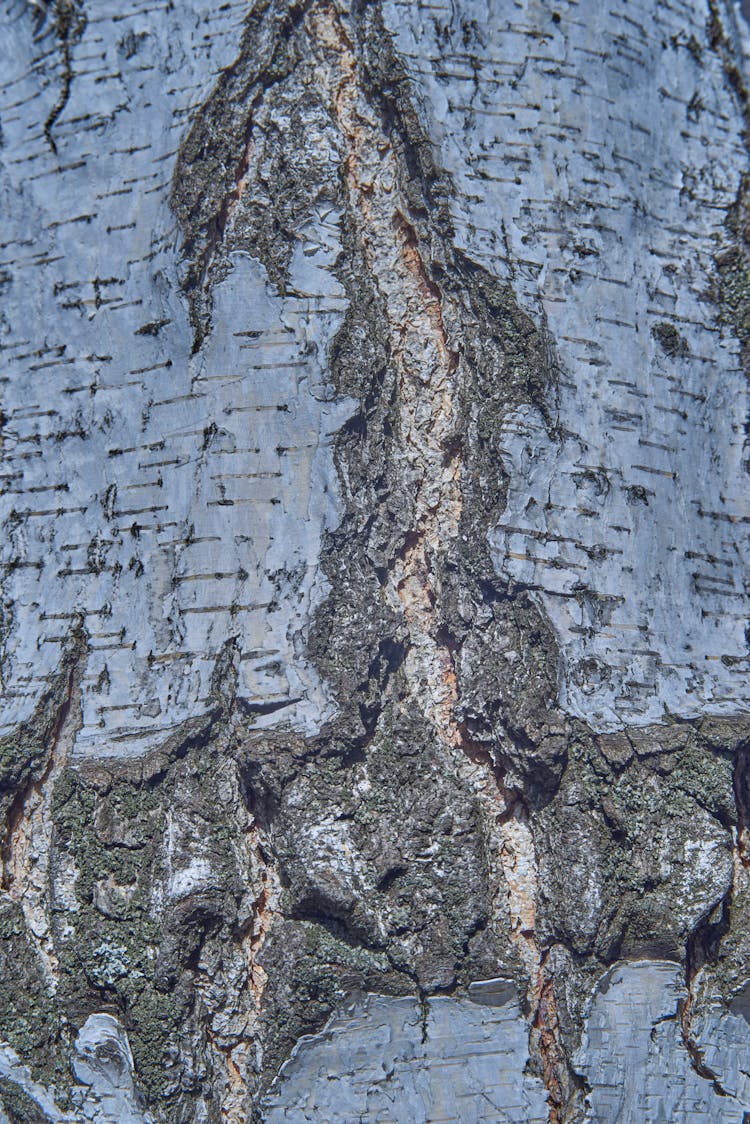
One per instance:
(373, 619)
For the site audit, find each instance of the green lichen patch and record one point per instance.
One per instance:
(19, 1107)
(734, 294)
(669, 339)
(108, 956)
(311, 971)
(29, 1020)
(29, 1017)
(724, 961)
(383, 847)
(637, 847)
(152, 853)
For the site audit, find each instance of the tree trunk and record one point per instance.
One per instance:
(376, 712)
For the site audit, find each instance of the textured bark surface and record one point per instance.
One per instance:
(375, 737)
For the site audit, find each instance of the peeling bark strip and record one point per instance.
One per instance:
(372, 630)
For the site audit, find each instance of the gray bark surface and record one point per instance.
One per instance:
(375, 725)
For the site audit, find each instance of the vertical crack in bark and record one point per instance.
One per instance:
(546, 1027)
(69, 25)
(241, 1059)
(695, 1054)
(703, 946)
(427, 366)
(701, 949)
(28, 842)
(238, 1048)
(429, 453)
